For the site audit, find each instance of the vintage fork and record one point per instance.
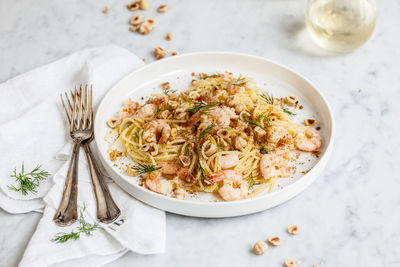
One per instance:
(107, 210)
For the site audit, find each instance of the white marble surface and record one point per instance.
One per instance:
(349, 217)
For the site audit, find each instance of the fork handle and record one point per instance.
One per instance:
(107, 210)
(67, 211)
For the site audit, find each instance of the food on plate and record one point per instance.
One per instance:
(222, 135)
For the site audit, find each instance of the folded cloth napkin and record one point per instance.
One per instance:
(33, 131)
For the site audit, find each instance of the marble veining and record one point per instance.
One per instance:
(349, 217)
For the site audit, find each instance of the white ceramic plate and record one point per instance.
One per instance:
(274, 78)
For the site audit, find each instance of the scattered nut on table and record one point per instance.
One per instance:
(151, 22)
(133, 6)
(163, 8)
(174, 53)
(136, 20)
(275, 241)
(168, 36)
(260, 247)
(293, 229)
(144, 4)
(145, 29)
(290, 263)
(106, 10)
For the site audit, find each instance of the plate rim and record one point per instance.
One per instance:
(321, 163)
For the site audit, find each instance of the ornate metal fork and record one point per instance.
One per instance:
(79, 117)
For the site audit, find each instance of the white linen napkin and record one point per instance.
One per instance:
(33, 130)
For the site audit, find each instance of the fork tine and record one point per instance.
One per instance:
(91, 107)
(69, 103)
(74, 99)
(66, 112)
(80, 107)
(85, 107)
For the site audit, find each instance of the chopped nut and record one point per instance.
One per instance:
(160, 52)
(243, 115)
(131, 171)
(144, 4)
(260, 131)
(115, 154)
(240, 142)
(275, 241)
(293, 229)
(168, 36)
(193, 73)
(290, 263)
(174, 53)
(310, 122)
(160, 56)
(291, 100)
(114, 123)
(165, 114)
(260, 247)
(174, 132)
(181, 116)
(152, 148)
(151, 22)
(134, 28)
(298, 262)
(106, 10)
(210, 149)
(185, 160)
(136, 20)
(163, 8)
(133, 6)
(144, 59)
(222, 133)
(145, 28)
(165, 86)
(181, 194)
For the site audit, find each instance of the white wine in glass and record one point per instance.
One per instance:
(341, 25)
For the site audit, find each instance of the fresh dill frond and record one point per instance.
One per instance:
(288, 112)
(253, 122)
(143, 168)
(157, 112)
(206, 130)
(84, 227)
(210, 76)
(266, 118)
(269, 99)
(239, 81)
(221, 147)
(28, 182)
(250, 180)
(203, 173)
(262, 148)
(168, 91)
(137, 135)
(204, 107)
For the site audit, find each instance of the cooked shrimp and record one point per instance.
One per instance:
(170, 167)
(184, 174)
(158, 184)
(274, 164)
(147, 111)
(309, 141)
(154, 128)
(234, 188)
(220, 117)
(229, 161)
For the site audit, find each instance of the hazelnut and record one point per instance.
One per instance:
(174, 132)
(275, 241)
(243, 115)
(106, 10)
(136, 20)
(310, 122)
(145, 28)
(291, 100)
(168, 36)
(260, 131)
(260, 247)
(152, 148)
(290, 263)
(165, 86)
(163, 8)
(174, 53)
(144, 4)
(133, 6)
(114, 123)
(134, 28)
(131, 171)
(293, 229)
(144, 59)
(210, 149)
(223, 133)
(151, 22)
(185, 160)
(165, 114)
(240, 142)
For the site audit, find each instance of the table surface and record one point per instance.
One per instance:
(349, 217)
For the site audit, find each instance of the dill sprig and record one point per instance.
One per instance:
(28, 182)
(136, 135)
(157, 112)
(263, 118)
(84, 227)
(239, 81)
(203, 173)
(210, 76)
(206, 130)
(262, 148)
(288, 112)
(250, 180)
(253, 122)
(168, 91)
(269, 99)
(221, 147)
(143, 168)
(204, 107)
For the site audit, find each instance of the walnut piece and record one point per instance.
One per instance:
(163, 8)
(275, 241)
(293, 229)
(260, 247)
